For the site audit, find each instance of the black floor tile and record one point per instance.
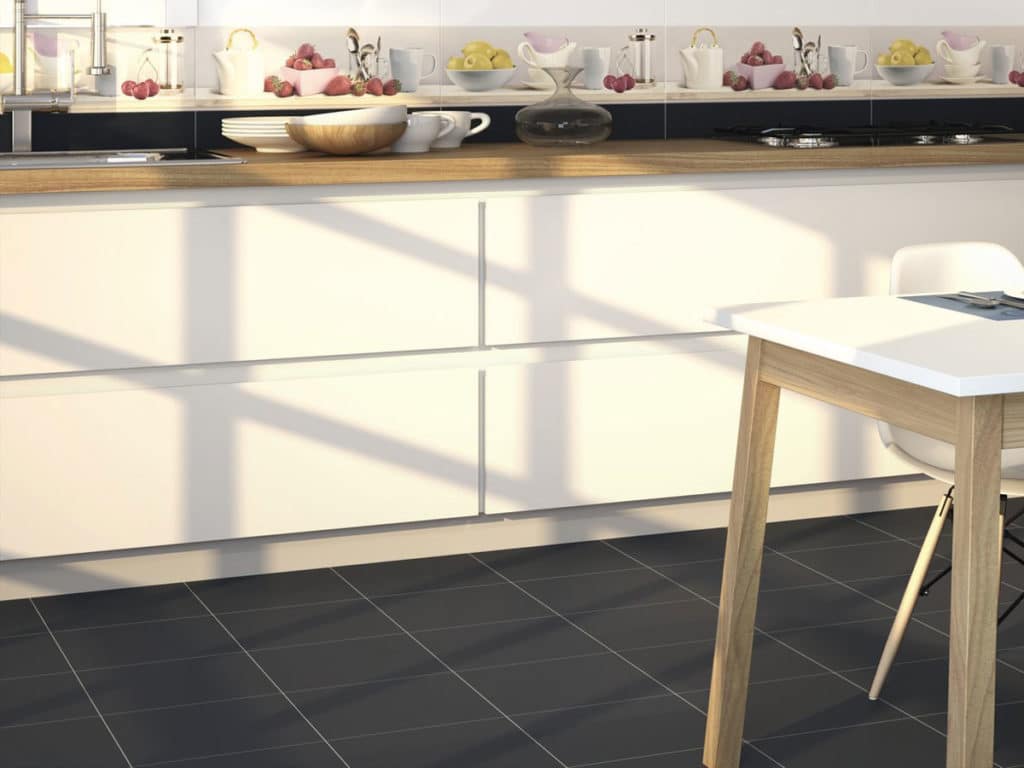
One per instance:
(77, 743)
(1010, 634)
(858, 645)
(651, 625)
(563, 683)
(482, 605)
(313, 755)
(617, 731)
(602, 591)
(174, 683)
(806, 704)
(690, 758)
(864, 561)
(1009, 741)
(911, 524)
(41, 699)
(18, 617)
(490, 744)
(795, 535)
(118, 606)
(278, 627)
(922, 688)
(904, 743)
(419, 575)
(181, 733)
(362, 710)
(673, 548)
(30, 655)
(508, 642)
(273, 590)
(558, 560)
(777, 572)
(687, 667)
(890, 589)
(813, 606)
(347, 662)
(139, 643)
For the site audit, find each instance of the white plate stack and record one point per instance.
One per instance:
(264, 134)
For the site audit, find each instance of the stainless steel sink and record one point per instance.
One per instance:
(112, 158)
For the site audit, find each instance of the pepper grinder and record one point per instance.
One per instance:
(641, 47)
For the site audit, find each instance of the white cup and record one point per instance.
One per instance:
(1003, 59)
(966, 57)
(407, 67)
(463, 129)
(559, 58)
(842, 62)
(596, 63)
(424, 128)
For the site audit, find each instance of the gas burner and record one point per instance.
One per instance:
(799, 141)
(925, 139)
(962, 139)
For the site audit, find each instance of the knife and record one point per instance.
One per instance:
(1006, 301)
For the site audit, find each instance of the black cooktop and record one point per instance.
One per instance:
(898, 134)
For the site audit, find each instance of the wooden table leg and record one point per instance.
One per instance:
(977, 537)
(742, 572)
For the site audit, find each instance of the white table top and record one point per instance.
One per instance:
(941, 349)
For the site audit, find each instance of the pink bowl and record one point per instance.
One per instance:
(545, 44)
(760, 77)
(960, 41)
(308, 82)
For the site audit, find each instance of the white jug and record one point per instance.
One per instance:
(240, 70)
(703, 66)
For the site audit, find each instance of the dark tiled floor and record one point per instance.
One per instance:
(596, 654)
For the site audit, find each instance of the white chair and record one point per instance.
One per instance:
(942, 268)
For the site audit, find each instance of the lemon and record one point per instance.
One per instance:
(901, 44)
(884, 59)
(479, 46)
(5, 65)
(902, 58)
(923, 57)
(456, 62)
(502, 61)
(478, 61)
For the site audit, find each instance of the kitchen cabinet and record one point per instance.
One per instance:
(107, 470)
(115, 289)
(563, 434)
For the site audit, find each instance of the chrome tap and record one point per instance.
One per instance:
(20, 104)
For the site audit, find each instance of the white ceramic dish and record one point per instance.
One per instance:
(359, 116)
(1015, 293)
(902, 75)
(271, 144)
(480, 79)
(963, 80)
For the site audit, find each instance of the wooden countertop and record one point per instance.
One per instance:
(486, 162)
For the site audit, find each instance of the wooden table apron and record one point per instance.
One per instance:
(979, 427)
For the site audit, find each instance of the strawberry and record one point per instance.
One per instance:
(392, 87)
(290, 61)
(829, 83)
(270, 84)
(305, 51)
(339, 86)
(317, 61)
(284, 89)
(375, 86)
(303, 64)
(740, 83)
(358, 88)
(816, 81)
(728, 78)
(330, 64)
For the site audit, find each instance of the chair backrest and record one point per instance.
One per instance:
(939, 267)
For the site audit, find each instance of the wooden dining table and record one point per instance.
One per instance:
(939, 372)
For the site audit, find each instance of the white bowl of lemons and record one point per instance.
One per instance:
(481, 67)
(906, 63)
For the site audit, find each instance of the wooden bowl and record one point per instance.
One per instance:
(346, 139)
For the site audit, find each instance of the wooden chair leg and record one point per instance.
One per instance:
(909, 601)
(977, 554)
(742, 570)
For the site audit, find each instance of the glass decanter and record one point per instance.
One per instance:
(563, 118)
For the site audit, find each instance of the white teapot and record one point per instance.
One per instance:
(240, 70)
(703, 65)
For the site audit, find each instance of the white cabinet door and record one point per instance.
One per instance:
(90, 290)
(564, 434)
(115, 470)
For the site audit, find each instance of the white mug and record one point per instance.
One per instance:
(407, 67)
(463, 129)
(1003, 59)
(842, 62)
(965, 57)
(596, 63)
(559, 58)
(424, 128)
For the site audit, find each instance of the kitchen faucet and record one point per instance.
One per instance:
(21, 105)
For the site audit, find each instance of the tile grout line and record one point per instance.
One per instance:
(85, 690)
(267, 675)
(180, 760)
(646, 674)
(451, 669)
(758, 630)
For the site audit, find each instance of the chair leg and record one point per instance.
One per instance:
(906, 610)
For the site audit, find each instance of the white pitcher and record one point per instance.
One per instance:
(703, 65)
(240, 70)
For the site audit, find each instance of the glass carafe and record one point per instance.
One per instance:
(563, 118)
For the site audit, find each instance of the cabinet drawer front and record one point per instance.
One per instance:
(616, 430)
(150, 467)
(91, 290)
